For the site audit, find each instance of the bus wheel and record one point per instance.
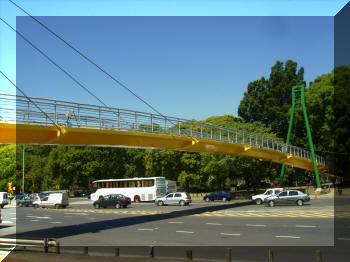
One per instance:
(136, 198)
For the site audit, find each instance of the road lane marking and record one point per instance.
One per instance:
(186, 232)
(250, 225)
(303, 226)
(12, 213)
(214, 224)
(145, 229)
(56, 222)
(287, 237)
(7, 222)
(13, 218)
(177, 222)
(343, 238)
(34, 220)
(230, 234)
(83, 214)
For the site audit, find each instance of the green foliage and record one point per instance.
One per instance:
(7, 166)
(269, 100)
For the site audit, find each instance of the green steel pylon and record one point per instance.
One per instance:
(298, 103)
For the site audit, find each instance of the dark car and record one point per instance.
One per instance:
(218, 195)
(115, 200)
(28, 200)
(287, 197)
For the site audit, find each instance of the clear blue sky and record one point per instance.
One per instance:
(189, 59)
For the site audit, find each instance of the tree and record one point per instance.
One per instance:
(269, 100)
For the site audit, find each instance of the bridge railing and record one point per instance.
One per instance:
(23, 110)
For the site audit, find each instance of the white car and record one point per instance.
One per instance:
(259, 199)
(177, 198)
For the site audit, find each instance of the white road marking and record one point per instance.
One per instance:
(343, 238)
(176, 222)
(13, 218)
(304, 226)
(186, 232)
(214, 224)
(287, 237)
(145, 229)
(230, 234)
(43, 217)
(7, 222)
(83, 214)
(56, 222)
(34, 220)
(250, 225)
(12, 213)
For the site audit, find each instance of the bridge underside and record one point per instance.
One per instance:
(50, 135)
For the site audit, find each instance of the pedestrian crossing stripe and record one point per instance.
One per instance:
(216, 213)
(3, 254)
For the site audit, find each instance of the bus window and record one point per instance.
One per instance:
(139, 184)
(131, 183)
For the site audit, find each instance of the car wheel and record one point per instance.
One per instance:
(160, 203)
(271, 203)
(20, 204)
(258, 201)
(207, 199)
(36, 206)
(97, 206)
(224, 199)
(57, 206)
(117, 205)
(182, 203)
(300, 202)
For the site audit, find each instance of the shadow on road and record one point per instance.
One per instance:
(95, 227)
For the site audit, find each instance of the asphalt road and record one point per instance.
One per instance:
(206, 227)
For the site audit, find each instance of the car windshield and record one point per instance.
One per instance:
(268, 192)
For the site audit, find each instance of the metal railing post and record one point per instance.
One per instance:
(118, 119)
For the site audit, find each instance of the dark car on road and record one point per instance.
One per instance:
(115, 200)
(218, 195)
(28, 200)
(294, 197)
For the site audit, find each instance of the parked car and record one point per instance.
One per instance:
(218, 195)
(4, 200)
(114, 200)
(52, 199)
(287, 197)
(259, 199)
(177, 198)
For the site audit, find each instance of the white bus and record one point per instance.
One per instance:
(138, 189)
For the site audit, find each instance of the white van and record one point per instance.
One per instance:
(55, 200)
(4, 199)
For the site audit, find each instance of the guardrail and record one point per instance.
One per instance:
(45, 243)
(20, 109)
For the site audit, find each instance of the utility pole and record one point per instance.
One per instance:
(23, 169)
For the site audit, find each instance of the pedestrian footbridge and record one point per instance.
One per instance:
(29, 120)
